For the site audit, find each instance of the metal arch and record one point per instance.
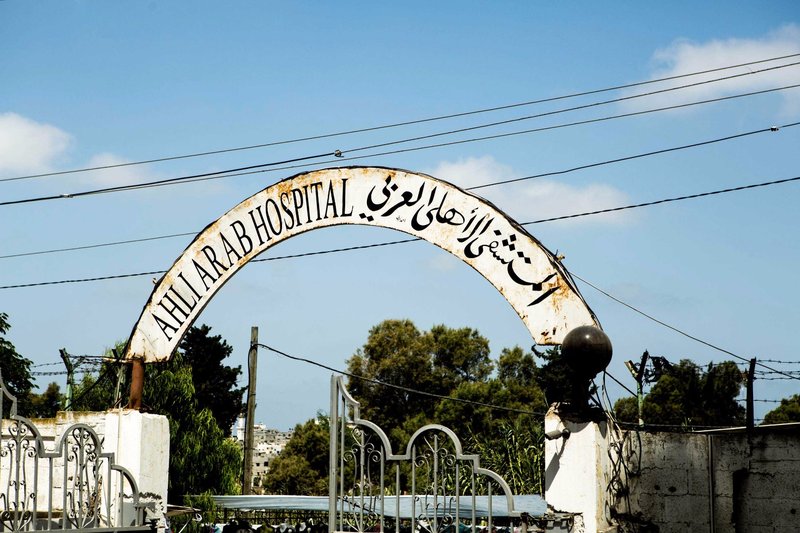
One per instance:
(528, 275)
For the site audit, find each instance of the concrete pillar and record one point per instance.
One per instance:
(140, 443)
(576, 466)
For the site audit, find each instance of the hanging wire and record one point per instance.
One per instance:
(473, 188)
(272, 167)
(399, 387)
(412, 122)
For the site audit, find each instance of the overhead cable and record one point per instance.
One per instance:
(405, 123)
(376, 245)
(399, 387)
(560, 111)
(100, 245)
(621, 384)
(476, 187)
(265, 167)
(681, 332)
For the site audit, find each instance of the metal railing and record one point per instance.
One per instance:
(72, 486)
(433, 487)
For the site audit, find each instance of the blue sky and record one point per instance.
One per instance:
(95, 83)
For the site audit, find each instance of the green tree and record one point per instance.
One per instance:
(395, 352)
(214, 382)
(15, 370)
(517, 371)
(787, 411)
(302, 467)
(48, 403)
(98, 392)
(451, 362)
(493, 411)
(95, 392)
(688, 396)
(459, 356)
(518, 455)
(559, 380)
(196, 391)
(202, 458)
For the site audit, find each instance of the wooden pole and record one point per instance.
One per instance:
(252, 360)
(750, 410)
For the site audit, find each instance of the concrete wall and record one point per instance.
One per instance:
(139, 442)
(724, 482)
(687, 482)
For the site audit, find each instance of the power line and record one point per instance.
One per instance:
(621, 384)
(405, 123)
(376, 245)
(400, 387)
(476, 187)
(83, 280)
(339, 153)
(100, 245)
(667, 200)
(167, 181)
(681, 332)
(563, 110)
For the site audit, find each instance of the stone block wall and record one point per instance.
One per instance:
(726, 482)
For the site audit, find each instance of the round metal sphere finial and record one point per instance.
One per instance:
(587, 350)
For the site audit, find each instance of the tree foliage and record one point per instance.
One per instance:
(196, 391)
(443, 361)
(202, 458)
(15, 370)
(787, 411)
(450, 362)
(214, 382)
(48, 403)
(302, 466)
(689, 396)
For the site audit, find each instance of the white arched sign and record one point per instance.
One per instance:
(525, 272)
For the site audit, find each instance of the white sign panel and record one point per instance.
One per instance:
(469, 227)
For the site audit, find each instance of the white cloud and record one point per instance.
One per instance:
(473, 171)
(684, 56)
(27, 146)
(110, 177)
(534, 200)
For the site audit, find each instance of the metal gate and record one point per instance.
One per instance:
(433, 487)
(73, 486)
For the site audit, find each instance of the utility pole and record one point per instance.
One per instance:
(70, 377)
(638, 374)
(750, 376)
(120, 376)
(252, 359)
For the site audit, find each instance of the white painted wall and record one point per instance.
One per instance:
(139, 442)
